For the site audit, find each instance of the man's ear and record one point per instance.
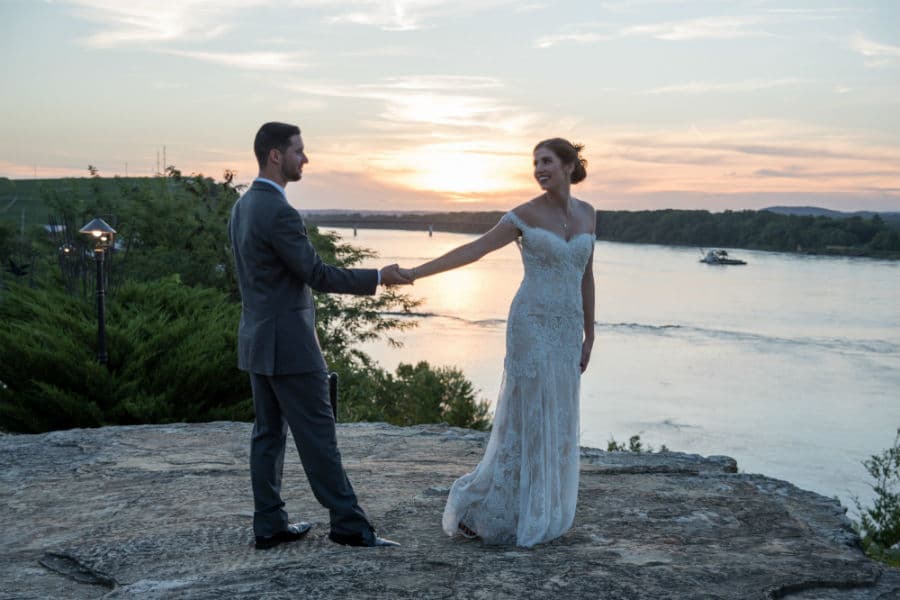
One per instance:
(275, 156)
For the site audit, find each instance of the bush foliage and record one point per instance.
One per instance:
(171, 323)
(167, 353)
(880, 523)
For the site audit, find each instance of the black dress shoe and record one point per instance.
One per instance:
(357, 539)
(291, 534)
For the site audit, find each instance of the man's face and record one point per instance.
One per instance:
(293, 159)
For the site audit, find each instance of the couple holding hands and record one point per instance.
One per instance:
(525, 488)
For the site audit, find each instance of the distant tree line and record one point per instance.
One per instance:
(760, 230)
(451, 222)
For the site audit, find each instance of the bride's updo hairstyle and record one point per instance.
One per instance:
(568, 153)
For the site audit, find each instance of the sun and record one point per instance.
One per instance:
(456, 169)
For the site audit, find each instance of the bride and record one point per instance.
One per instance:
(525, 488)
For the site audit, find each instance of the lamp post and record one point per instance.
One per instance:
(102, 235)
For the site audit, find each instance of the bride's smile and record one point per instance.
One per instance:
(549, 171)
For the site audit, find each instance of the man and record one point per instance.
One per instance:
(277, 267)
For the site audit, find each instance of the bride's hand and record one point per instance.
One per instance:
(586, 353)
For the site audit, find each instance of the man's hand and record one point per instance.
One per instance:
(392, 275)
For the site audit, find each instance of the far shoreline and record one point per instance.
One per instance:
(477, 223)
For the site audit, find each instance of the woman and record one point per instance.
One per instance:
(525, 488)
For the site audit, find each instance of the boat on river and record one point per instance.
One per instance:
(720, 257)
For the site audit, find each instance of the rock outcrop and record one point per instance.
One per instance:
(164, 511)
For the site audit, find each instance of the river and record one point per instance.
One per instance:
(789, 364)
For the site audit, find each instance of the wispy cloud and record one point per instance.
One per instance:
(531, 7)
(797, 173)
(675, 158)
(149, 21)
(405, 15)
(800, 150)
(167, 85)
(820, 13)
(451, 134)
(442, 83)
(877, 54)
(706, 28)
(760, 155)
(624, 6)
(438, 101)
(161, 24)
(705, 87)
(255, 61)
(388, 16)
(804, 145)
(575, 37)
(388, 51)
(692, 29)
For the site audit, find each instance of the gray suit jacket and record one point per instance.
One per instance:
(276, 267)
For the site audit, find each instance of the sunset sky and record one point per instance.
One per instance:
(436, 104)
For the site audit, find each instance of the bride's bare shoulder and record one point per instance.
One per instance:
(586, 210)
(583, 206)
(527, 210)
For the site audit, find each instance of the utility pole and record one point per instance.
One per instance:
(157, 162)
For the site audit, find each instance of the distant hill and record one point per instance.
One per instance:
(892, 218)
(816, 211)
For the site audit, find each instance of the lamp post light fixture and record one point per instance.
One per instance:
(102, 235)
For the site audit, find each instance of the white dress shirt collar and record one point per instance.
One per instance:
(273, 184)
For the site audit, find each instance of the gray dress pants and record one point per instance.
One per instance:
(299, 401)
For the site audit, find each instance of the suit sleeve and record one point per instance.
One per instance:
(291, 243)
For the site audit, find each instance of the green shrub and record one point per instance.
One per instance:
(879, 524)
(421, 394)
(171, 358)
(172, 318)
(413, 395)
(634, 445)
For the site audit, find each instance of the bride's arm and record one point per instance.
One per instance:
(500, 235)
(587, 298)
(587, 304)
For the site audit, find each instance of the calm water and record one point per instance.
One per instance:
(790, 364)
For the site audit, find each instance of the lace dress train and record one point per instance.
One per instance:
(525, 488)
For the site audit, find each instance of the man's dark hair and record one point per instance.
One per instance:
(271, 136)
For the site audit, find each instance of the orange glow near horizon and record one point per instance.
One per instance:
(765, 157)
(453, 169)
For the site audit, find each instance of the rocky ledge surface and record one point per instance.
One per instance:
(164, 511)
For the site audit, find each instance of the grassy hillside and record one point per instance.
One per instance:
(28, 198)
(21, 196)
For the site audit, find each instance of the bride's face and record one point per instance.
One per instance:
(549, 171)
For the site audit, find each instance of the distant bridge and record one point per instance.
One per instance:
(401, 222)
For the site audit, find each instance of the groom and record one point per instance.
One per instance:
(277, 267)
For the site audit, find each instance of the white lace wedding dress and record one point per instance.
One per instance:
(525, 488)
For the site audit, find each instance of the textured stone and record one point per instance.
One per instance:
(164, 511)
